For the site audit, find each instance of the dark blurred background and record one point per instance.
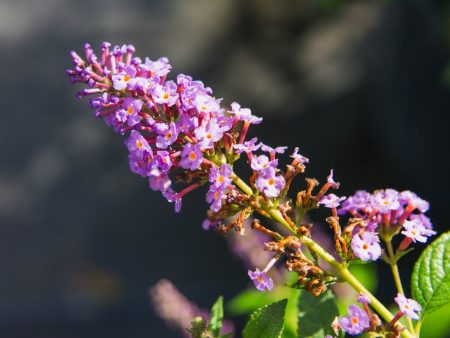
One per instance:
(360, 86)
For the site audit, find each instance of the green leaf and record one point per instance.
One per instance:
(266, 322)
(215, 323)
(430, 281)
(316, 314)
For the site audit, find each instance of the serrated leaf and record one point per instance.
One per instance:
(215, 323)
(316, 314)
(430, 281)
(266, 322)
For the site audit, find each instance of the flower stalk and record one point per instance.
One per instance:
(178, 129)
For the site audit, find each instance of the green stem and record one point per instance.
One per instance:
(397, 279)
(418, 326)
(341, 269)
(241, 184)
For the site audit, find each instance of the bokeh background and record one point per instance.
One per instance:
(360, 86)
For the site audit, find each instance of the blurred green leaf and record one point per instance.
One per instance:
(266, 322)
(366, 274)
(430, 281)
(316, 314)
(215, 323)
(436, 324)
(248, 301)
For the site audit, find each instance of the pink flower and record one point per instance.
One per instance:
(409, 307)
(261, 162)
(331, 201)
(366, 246)
(248, 146)
(137, 144)
(269, 149)
(214, 197)
(356, 322)
(167, 134)
(385, 200)
(363, 298)
(408, 197)
(330, 180)
(132, 107)
(191, 156)
(261, 280)
(208, 133)
(415, 230)
(220, 178)
(302, 159)
(166, 94)
(269, 183)
(244, 114)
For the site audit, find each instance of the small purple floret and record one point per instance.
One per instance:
(356, 322)
(244, 114)
(363, 298)
(220, 178)
(191, 156)
(409, 307)
(416, 230)
(261, 280)
(366, 246)
(269, 183)
(331, 201)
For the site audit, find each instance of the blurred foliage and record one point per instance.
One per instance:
(367, 275)
(436, 324)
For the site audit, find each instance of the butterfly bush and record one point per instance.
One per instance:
(180, 137)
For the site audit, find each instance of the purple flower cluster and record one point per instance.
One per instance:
(384, 210)
(175, 127)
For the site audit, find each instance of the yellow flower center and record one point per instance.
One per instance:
(126, 78)
(165, 96)
(139, 144)
(193, 156)
(130, 110)
(355, 320)
(271, 181)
